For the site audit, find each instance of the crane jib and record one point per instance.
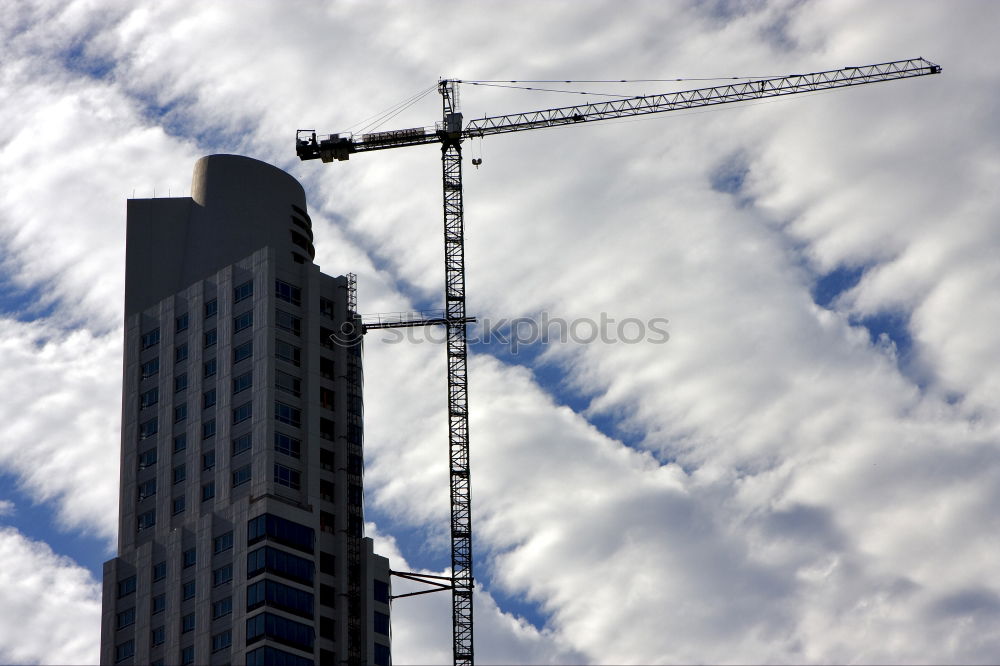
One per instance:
(341, 146)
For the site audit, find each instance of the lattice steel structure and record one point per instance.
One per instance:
(450, 133)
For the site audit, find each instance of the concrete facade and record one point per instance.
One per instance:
(241, 519)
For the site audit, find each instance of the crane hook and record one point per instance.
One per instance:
(476, 161)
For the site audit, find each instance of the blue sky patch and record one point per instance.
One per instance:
(828, 287)
(36, 520)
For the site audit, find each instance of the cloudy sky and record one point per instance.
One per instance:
(807, 470)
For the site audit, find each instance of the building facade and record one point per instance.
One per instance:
(240, 513)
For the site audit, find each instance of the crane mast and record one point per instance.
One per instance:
(450, 133)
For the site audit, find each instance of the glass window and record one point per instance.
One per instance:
(243, 412)
(288, 322)
(287, 414)
(223, 542)
(180, 382)
(208, 399)
(210, 367)
(180, 442)
(242, 321)
(222, 575)
(157, 636)
(126, 586)
(326, 307)
(242, 443)
(326, 398)
(286, 444)
(181, 353)
(147, 458)
(382, 657)
(281, 630)
(208, 491)
(180, 473)
(189, 557)
(281, 530)
(381, 622)
(148, 428)
(211, 338)
(125, 618)
(222, 640)
(280, 563)
(326, 367)
(208, 429)
(146, 489)
(270, 655)
(181, 323)
(178, 505)
(187, 655)
(149, 398)
(124, 650)
(278, 595)
(187, 623)
(159, 604)
(286, 476)
(241, 475)
(242, 291)
(288, 292)
(222, 607)
(381, 591)
(327, 459)
(243, 351)
(287, 383)
(289, 353)
(145, 520)
(208, 459)
(180, 412)
(188, 590)
(159, 571)
(151, 339)
(149, 368)
(211, 308)
(242, 382)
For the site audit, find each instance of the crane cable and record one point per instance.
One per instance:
(500, 83)
(377, 120)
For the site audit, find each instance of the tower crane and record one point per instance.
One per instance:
(450, 133)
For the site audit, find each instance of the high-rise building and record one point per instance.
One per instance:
(240, 533)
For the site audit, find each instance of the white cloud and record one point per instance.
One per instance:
(52, 606)
(7, 508)
(802, 494)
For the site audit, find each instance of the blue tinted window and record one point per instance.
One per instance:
(281, 564)
(149, 428)
(281, 630)
(280, 530)
(124, 650)
(243, 412)
(243, 351)
(242, 382)
(150, 368)
(241, 475)
(222, 607)
(286, 444)
(242, 291)
(242, 443)
(126, 586)
(242, 321)
(287, 292)
(151, 338)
